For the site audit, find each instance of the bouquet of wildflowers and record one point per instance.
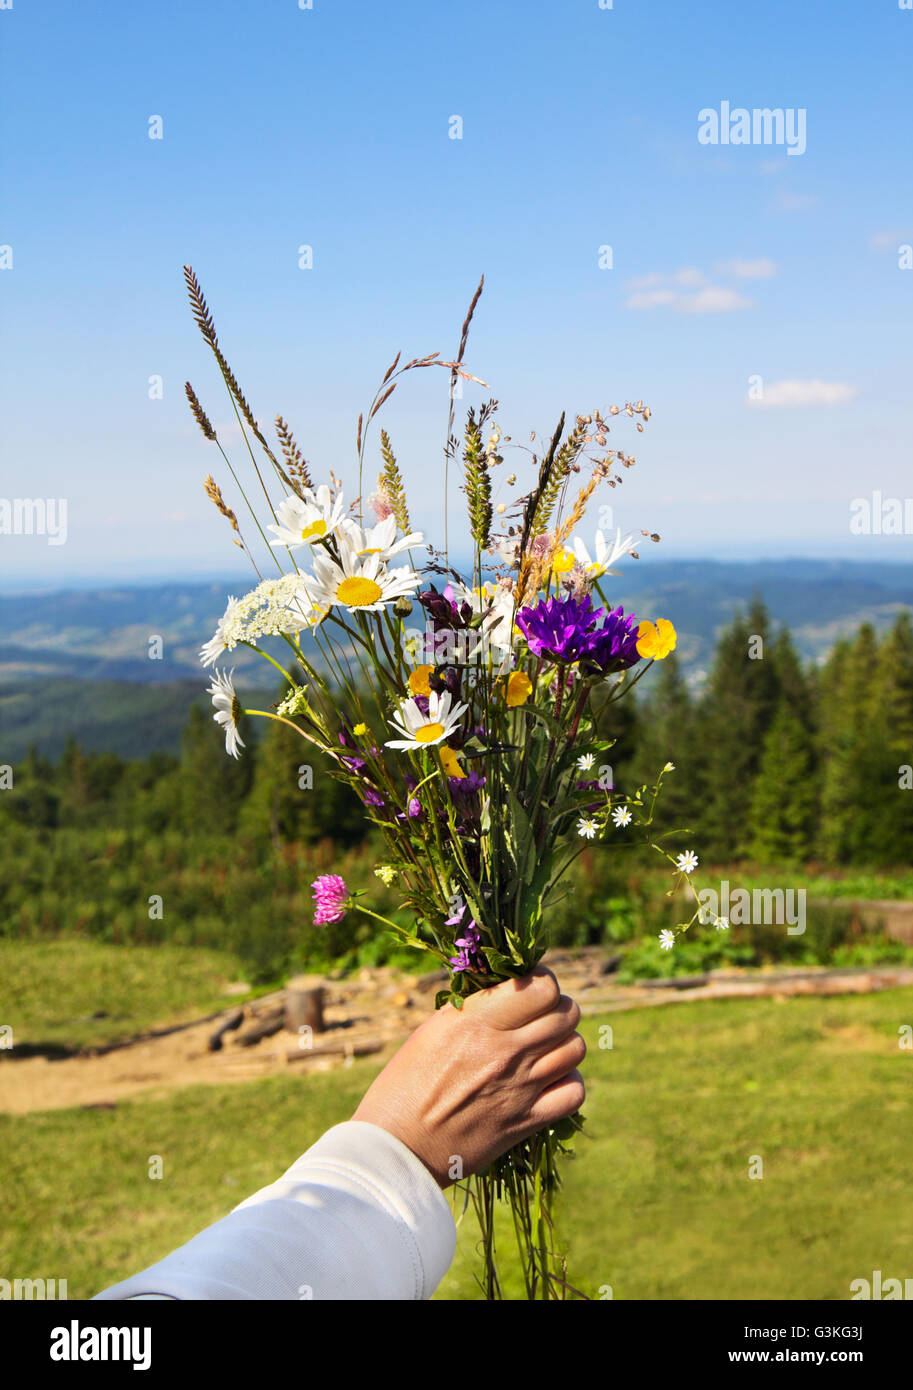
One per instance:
(462, 709)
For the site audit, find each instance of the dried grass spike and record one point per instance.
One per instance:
(390, 483)
(198, 412)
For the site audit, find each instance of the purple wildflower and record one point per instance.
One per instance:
(613, 646)
(467, 945)
(558, 628)
(331, 899)
(443, 610)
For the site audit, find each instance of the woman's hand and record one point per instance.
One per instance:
(470, 1083)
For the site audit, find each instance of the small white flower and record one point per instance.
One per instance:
(586, 762)
(295, 702)
(722, 924)
(687, 862)
(423, 730)
(228, 710)
(666, 940)
(275, 607)
(380, 539)
(621, 816)
(606, 553)
(307, 520)
(587, 827)
(670, 767)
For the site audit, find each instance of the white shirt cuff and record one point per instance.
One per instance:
(357, 1216)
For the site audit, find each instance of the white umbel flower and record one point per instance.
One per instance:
(307, 520)
(380, 539)
(606, 554)
(228, 710)
(423, 730)
(362, 584)
(276, 607)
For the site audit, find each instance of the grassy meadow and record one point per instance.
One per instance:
(657, 1203)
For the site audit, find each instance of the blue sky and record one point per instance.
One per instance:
(330, 127)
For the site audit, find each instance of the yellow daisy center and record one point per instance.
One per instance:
(315, 532)
(358, 592)
(236, 709)
(428, 733)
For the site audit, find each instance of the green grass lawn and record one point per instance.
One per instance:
(657, 1204)
(50, 991)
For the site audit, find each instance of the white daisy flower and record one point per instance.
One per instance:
(606, 554)
(362, 584)
(687, 862)
(228, 710)
(722, 924)
(423, 730)
(586, 762)
(307, 520)
(621, 815)
(380, 539)
(213, 649)
(587, 828)
(507, 547)
(666, 940)
(494, 603)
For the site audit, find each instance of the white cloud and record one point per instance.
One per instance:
(889, 241)
(712, 299)
(761, 269)
(804, 393)
(690, 277)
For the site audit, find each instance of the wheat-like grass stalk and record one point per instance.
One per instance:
(390, 485)
(198, 412)
(297, 463)
(478, 480)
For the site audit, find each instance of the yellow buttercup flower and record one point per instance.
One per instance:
(360, 730)
(418, 681)
(449, 760)
(563, 561)
(656, 641)
(519, 689)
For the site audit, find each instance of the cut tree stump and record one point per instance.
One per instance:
(304, 1004)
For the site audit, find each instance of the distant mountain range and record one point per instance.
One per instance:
(88, 651)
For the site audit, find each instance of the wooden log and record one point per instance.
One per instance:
(265, 1027)
(304, 1004)
(231, 1023)
(340, 1049)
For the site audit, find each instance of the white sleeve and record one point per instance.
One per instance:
(357, 1216)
